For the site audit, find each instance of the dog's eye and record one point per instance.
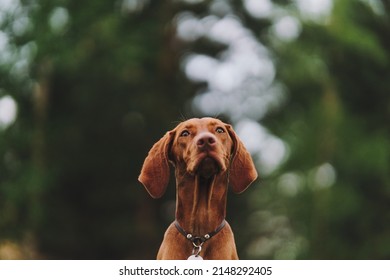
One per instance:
(185, 133)
(220, 130)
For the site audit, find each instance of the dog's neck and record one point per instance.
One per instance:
(201, 204)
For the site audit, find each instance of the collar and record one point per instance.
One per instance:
(198, 241)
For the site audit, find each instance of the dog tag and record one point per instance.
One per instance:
(195, 258)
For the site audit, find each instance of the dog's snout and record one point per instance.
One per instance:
(206, 139)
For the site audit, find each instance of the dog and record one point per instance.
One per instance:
(207, 156)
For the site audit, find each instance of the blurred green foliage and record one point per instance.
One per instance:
(96, 83)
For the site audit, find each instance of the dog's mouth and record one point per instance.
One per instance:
(208, 167)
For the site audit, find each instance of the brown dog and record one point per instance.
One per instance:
(207, 155)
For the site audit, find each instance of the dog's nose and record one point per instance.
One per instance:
(206, 139)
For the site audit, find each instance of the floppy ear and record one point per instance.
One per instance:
(242, 170)
(155, 170)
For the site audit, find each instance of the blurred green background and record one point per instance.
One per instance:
(87, 87)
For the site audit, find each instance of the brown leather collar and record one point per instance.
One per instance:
(199, 240)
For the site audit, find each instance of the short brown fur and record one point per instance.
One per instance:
(207, 156)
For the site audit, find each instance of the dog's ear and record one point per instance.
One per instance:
(242, 169)
(155, 170)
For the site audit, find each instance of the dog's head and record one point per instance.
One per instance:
(199, 147)
(202, 147)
